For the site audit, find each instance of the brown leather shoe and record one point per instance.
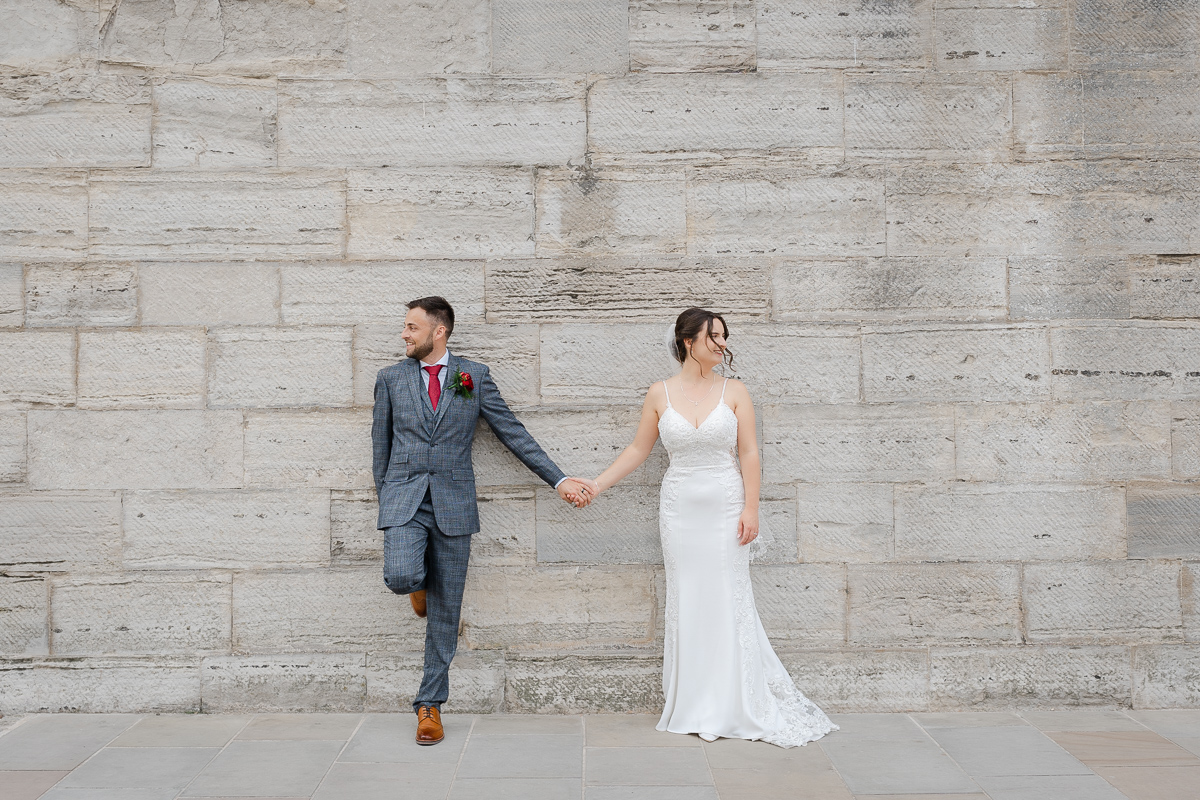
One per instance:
(418, 602)
(429, 725)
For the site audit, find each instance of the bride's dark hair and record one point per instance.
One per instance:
(693, 323)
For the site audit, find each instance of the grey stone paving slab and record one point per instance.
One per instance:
(110, 794)
(970, 719)
(182, 730)
(265, 769)
(383, 782)
(903, 766)
(743, 754)
(140, 768)
(29, 784)
(760, 784)
(1042, 787)
(1189, 743)
(523, 756)
(1007, 751)
(527, 723)
(633, 730)
(61, 741)
(1168, 722)
(889, 727)
(301, 727)
(650, 793)
(1102, 720)
(516, 789)
(646, 766)
(390, 738)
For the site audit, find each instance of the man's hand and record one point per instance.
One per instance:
(579, 492)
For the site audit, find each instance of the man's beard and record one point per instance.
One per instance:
(419, 351)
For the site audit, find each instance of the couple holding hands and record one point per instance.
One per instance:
(721, 677)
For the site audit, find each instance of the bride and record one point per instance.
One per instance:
(721, 678)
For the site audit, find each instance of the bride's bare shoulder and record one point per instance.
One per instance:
(736, 391)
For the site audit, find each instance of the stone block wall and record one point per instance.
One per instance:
(955, 241)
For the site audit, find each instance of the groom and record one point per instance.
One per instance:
(426, 408)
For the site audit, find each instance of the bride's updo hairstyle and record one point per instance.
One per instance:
(692, 324)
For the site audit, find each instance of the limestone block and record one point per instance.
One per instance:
(1190, 596)
(252, 38)
(74, 119)
(933, 603)
(183, 613)
(353, 538)
(508, 523)
(428, 36)
(476, 682)
(888, 288)
(790, 364)
(12, 447)
(972, 522)
(100, 685)
(510, 351)
(872, 681)
(214, 124)
(1068, 442)
(440, 214)
(549, 37)
(63, 295)
(432, 122)
(1103, 603)
(147, 368)
(585, 211)
(1029, 677)
(1077, 287)
(558, 606)
(23, 612)
(1018, 37)
(731, 113)
(691, 35)
(582, 442)
(610, 682)
(778, 541)
(1165, 287)
(857, 443)
(586, 363)
(1133, 34)
(376, 294)
(494, 465)
(60, 531)
(1134, 361)
(1080, 208)
(217, 215)
(843, 33)
(774, 212)
(45, 214)
(304, 682)
(1163, 520)
(1166, 676)
(39, 369)
(135, 450)
(929, 117)
(1185, 441)
(845, 522)
(12, 295)
(226, 529)
(326, 449)
(1101, 114)
(47, 34)
(619, 289)
(801, 604)
(280, 368)
(620, 529)
(966, 364)
(209, 294)
(321, 611)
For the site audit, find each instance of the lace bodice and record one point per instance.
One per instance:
(713, 444)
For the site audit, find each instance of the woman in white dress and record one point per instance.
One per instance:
(721, 678)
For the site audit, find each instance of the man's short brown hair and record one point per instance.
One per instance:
(439, 309)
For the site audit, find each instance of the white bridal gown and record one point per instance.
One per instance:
(721, 678)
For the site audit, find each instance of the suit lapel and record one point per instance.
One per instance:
(448, 394)
(416, 387)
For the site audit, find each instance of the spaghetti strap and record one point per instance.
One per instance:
(664, 383)
(723, 385)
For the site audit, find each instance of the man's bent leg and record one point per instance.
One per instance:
(404, 547)
(446, 558)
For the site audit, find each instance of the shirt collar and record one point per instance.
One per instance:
(444, 360)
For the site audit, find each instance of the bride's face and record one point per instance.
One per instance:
(710, 350)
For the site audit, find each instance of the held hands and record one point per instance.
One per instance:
(579, 492)
(747, 527)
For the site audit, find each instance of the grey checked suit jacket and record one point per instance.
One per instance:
(417, 448)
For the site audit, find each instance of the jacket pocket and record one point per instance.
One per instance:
(462, 475)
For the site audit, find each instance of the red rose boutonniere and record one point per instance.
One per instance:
(462, 384)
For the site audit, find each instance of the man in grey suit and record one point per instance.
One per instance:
(426, 409)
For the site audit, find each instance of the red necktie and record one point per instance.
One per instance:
(435, 386)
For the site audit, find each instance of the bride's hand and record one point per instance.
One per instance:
(747, 527)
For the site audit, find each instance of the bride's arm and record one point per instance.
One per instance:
(643, 441)
(747, 443)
